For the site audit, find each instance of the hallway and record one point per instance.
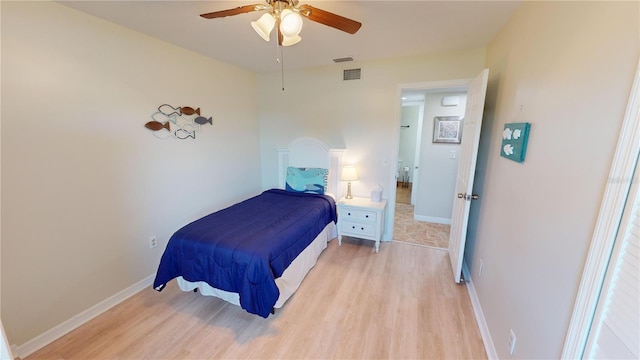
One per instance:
(406, 229)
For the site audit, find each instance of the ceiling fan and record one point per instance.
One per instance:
(286, 16)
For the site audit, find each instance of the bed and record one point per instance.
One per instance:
(256, 253)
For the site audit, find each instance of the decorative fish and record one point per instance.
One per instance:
(189, 111)
(156, 125)
(203, 120)
(160, 117)
(169, 110)
(184, 134)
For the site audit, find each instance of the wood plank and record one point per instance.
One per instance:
(398, 303)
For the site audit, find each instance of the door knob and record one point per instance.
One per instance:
(468, 197)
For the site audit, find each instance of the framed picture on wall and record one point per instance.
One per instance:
(447, 129)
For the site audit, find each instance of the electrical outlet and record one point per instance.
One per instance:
(512, 341)
(480, 268)
(153, 241)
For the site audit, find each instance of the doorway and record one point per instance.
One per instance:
(425, 170)
(411, 121)
(462, 193)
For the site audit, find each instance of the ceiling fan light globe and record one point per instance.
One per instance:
(290, 40)
(264, 25)
(290, 23)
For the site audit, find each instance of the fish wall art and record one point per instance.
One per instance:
(514, 141)
(182, 122)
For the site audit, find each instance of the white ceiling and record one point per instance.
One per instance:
(389, 29)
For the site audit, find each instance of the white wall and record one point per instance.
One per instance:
(361, 116)
(436, 190)
(84, 183)
(570, 66)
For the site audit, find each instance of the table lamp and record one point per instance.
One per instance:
(349, 174)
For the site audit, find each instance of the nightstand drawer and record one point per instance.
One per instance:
(355, 228)
(358, 214)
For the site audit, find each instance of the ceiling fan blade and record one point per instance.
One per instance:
(330, 19)
(230, 12)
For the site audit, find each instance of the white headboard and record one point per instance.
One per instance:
(310, 152)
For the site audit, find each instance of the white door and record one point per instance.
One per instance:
(466, 170)
(416, 157)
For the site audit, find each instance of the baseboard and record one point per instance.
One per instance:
(477, 309)
(432, 219)
(55, 333)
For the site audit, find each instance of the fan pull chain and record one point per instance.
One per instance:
(282, 66)
(279, 49)
(280, 60)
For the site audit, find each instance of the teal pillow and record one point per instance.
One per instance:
(306, 180)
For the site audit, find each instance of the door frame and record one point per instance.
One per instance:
(416, 155)
(604, 234)
(428, 86)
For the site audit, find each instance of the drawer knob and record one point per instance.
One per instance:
(367, 216)
(361, 228)
(353, 227)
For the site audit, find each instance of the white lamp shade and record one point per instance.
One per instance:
(264, 25)
(290, 23)
(349, 173)
(290, 40)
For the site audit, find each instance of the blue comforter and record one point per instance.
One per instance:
(245, 247)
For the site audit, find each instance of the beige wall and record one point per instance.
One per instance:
(569, 66)
(84, 184)
(362, 116)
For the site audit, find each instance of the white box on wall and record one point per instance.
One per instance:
(450, 101)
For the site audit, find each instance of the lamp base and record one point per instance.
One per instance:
(349, 196)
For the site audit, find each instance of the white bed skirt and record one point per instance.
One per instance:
(290, 280)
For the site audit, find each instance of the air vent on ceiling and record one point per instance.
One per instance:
(344, 59)
(351, 74)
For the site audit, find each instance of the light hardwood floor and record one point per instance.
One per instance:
(354, 304)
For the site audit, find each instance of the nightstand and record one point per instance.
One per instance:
(361, 218)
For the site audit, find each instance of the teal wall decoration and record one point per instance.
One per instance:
(514, 141)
